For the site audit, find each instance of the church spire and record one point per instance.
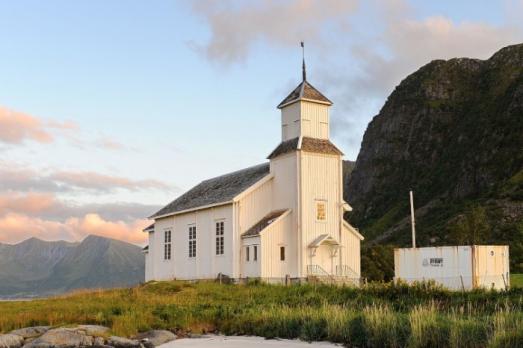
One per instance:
(303, 71)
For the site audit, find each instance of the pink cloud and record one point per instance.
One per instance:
(17, 227)
(17, 127)
(28, 203)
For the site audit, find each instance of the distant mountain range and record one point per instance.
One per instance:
(35, 268)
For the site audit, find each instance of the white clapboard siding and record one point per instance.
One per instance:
(320, 181)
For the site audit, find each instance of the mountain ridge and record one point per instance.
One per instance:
(36, 267)
(453, 133)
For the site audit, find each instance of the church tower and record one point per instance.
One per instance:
(307, 170)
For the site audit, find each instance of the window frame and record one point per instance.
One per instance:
(167, 245)
(247, 253)
(282, 253)
(255, 253)
(192, 241)
(219, 237)
(317, 204)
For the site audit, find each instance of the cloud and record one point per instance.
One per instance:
(19, 178)
(17, 127)
(237, 25)
(48, 206)
(17, 227)
(101, 182)
(365, 51)
(110, 144)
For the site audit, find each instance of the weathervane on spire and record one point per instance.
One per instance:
(304, 73)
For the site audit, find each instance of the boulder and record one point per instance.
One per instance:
(94, 330)
(11, 341)
(31, 332)
(156, 337)
(61, 338)
(99, 341)
(121, 342)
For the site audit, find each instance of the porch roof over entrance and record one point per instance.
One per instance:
(324, 239)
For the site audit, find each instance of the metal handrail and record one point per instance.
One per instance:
(346, 271)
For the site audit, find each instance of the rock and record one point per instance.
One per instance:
(11, 341)
(30, 332)
(156, 337)
(99, 341)
(121, 342)
(94, 330)
(62, 338)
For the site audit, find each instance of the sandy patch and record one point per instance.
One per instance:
(242, 342)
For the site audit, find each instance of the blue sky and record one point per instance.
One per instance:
(140, 100)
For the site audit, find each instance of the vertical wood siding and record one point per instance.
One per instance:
(272, 238)
(315, 120)
(254, 206)
(350, 251)
(320, 181)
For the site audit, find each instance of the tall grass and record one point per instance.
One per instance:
(377, 315)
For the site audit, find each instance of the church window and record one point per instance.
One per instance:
(282, 253)
(167, 245)
(321, 211)
(219, 237)
(255, 255)
(192, 241)
(247, 251)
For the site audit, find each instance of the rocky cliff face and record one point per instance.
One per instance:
(453, 132)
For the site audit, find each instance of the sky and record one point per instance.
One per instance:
(110, 109)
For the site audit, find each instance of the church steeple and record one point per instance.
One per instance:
(303, 71)
(305, 111)
(304, 91)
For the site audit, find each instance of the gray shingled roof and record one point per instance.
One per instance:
(304, 91)
(217, 190)
(307, 145)
(260, 225)
(149, 228)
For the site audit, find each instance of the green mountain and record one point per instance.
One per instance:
(39, 268)
(453, 133)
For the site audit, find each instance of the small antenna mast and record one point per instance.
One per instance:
(303, 72)
(412, 219)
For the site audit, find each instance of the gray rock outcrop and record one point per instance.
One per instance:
(11, 341)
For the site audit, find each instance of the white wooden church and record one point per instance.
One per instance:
(282, 219)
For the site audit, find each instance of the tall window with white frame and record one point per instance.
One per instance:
(192, 241)
(219, 237)
(167, 245)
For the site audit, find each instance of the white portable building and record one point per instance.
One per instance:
(455, 267)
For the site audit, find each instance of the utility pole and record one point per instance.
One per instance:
(412, 219)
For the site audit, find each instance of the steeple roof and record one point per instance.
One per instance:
(305, 91)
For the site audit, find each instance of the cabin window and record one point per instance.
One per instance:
(282, 253)
(247, 250)
(192, 241)
(255, 253)
(219, 237)
(167, 245)
(321, 210)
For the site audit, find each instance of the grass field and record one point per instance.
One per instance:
(376, 315)
(516, 280)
